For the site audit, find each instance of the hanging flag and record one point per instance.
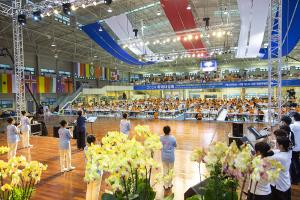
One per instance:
(107, 73)
(68, 85)
(77, 69)
(47, 84)
(97, 72)
(87, 70)
(6, 83)
(60, 85)
(82, 70)
(41, 84)
(92, 71)
(103, 73)
(31, 82)
(53, 86)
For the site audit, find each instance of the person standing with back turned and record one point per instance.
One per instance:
(167, 155)
(295, 165)
(125, 125)
(65, 136)
(25, 130)
(12, 138)
(81, 130)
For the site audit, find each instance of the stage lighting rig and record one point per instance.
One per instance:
(135, 32)
(37, 15)
(67, 8)
(107, 2)
(206, 20)
(22, 19)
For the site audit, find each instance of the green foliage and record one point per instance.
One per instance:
(195, 197)
(107, 196)
(171, 197)
(21, 193)
(145, 191)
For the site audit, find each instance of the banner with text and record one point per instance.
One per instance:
(240, 84)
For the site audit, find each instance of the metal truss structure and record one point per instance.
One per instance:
(13, 12)
(275, 61)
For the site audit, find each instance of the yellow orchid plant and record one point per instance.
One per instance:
(3, 150)
(18, 178)
(230, 164)
(129, 163)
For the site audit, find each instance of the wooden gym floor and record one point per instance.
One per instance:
(70, 186)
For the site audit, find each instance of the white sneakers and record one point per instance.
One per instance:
(67, 169)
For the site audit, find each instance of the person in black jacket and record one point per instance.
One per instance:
(81, 131)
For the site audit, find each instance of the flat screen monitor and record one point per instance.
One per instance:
(208, 65)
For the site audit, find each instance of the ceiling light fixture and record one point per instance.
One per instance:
(109, 10)
(158, 13)
(83, 5)
(95, 3)
(178, 38)
(189, 7)
(55, 11)
(73, 7)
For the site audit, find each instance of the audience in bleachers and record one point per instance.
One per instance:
(214, 76)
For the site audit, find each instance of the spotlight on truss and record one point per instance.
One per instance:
(22, 19)
(107, 2)
(37, 15)
(67, 8)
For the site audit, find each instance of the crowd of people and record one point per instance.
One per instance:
(199, 108)
(207, 77)
(286, 150)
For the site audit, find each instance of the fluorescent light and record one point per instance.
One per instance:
(109, 10)
(189, 7)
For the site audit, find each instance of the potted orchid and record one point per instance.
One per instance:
(18, 178)
(128, 162)
(226, 166)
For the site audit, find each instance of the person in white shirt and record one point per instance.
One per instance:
(25, 130)
(260, 190)
(295, 165)
(281, 188)
(125, 125)
(12, 137)
(65, 136)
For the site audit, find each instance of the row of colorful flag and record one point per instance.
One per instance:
(47, 84)
(90, 71)
(37, 84)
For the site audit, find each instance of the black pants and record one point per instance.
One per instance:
(258, 197)
(279, 195)
(81, 137)
(295, 167)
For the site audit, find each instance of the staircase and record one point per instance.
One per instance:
(222, 115)
(69, 99)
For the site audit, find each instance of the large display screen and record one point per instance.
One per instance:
(208, 65)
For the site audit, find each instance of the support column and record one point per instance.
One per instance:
(18, 58)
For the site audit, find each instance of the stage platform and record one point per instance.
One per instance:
(70, 186)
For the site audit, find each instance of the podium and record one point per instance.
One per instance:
(91, 120)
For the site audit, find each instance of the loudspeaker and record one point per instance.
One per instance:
(196, 189)
(237, 129)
